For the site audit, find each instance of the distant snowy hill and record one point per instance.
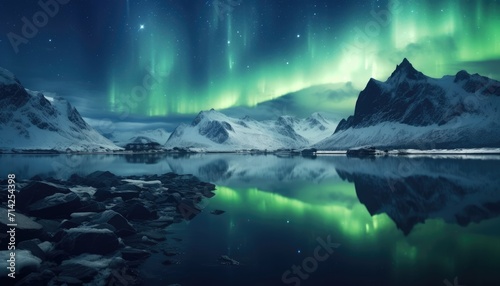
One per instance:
(214, 131)
(333, 100)
(31, 121)
(314, 128)
(122, 138)
(411, 110)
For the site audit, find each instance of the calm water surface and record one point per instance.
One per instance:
(387, 221)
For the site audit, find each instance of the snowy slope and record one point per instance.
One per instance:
(314, 128)
(214, 131)
(122, 138)
(411, 110)
(31, 121)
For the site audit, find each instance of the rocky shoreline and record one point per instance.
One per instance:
(96, 229)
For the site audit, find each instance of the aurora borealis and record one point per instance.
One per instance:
(167, 58)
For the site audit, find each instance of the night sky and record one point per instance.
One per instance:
(166, 60)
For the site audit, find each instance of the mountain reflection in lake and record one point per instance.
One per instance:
(398, 220)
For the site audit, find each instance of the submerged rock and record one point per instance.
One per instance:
(217, 212)
(132, 254)
(226, 260)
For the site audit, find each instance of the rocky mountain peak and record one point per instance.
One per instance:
(405, 70)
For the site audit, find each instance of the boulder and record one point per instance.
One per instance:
(58, 205)
(161, 222)
(26, 228)
(26, 263)
(158, 235)
(188, 209)
(32, 246)
(88, 240)
(174, 198)
(77, 271)
(121, 224)
(92, 206)
(36, 279)
(102, 194)
(68, 281)
(36, 191)
(57, 256)
(132, 254)
(129, 187)
(100, 179)
(135, 209)
(125, 195)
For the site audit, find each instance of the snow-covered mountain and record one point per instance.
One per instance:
(31, 121)
(214, 131)
(314, 128)
(122, 138)
(411, 110)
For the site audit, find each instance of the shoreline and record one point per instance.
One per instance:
(97, 228)
(392, 152)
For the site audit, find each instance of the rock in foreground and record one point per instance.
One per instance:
(97, 229)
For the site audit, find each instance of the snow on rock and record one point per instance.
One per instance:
(79, 190)
(24, 259)
(31, 121)
(46, 246)
(8, 78)
(141, 183)
(411, 110)
(90, 260)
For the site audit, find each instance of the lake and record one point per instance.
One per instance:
(329, 220)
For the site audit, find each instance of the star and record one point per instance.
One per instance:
(141, 27)
(50, 40)
(298, 35)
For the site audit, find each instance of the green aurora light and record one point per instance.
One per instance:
(366, 233)
(439, 38)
